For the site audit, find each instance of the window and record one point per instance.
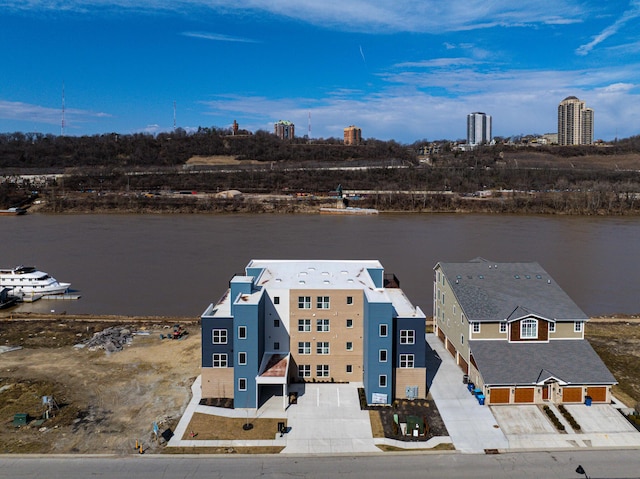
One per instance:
(219, 360)
(503, 327)
(276, 346)
(462, 318)
(304, 347)
(242, 384)
(322, 302)
(383, 331)
(349, 299)
(407, 360)
(382, 355)
(242, 358)
(349, 323)
(407, 336)
(322, 370)
(476, 327)
(382, 380)
(529, 329)
(322, 325)
(462, 339)
(349, 368)
(349, 346)
(443, 298)
(276, 300)
(304, 302)
(219, 336)
(304, 325)
(242, 332)
(304, 370)
(552, 327)
(276, 323)
(454, 309)
(577, 326)
(322, 347)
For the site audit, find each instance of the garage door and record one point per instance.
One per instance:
(451, 348)
(499, 396)
(440, 334)
(597, 393)
(524, 395)
(572, 395)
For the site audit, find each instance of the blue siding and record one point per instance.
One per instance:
(255, 272)
(208, 348)
(252, 317)
(377, 276)
(376, 314)
(419, 349)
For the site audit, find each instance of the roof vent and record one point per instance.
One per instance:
(516, 276)
(548, 281)
(301, 282)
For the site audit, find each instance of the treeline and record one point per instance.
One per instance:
(35, 150)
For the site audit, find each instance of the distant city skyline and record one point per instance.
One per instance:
(405, 70)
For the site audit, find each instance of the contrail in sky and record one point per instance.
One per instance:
(362, 55)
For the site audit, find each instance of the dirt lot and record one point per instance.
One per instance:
(106, 401)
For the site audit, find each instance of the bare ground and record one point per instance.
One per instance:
(106, 401)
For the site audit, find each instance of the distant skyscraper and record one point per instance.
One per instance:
(575, 122)
(478, 128)
(352, 135)
(285, 130)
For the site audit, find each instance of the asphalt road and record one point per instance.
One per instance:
(597, 464)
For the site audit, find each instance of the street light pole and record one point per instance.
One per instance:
(580, 470)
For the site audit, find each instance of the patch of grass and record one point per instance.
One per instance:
(438, 447)
(219, 428)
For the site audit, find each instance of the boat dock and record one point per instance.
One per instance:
(31, 298)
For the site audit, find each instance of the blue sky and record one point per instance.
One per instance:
(398, 69)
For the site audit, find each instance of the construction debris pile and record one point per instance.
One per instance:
(110, 339)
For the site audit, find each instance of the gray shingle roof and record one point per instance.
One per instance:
(489, 291)
(572, 361)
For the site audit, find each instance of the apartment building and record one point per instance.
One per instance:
(575, 122)
(516, 335)
(286, 321)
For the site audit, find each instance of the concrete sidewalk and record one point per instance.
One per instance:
(472, 427)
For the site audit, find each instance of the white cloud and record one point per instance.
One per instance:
(19, 111)
(633, 12)
(382, 16)
(218, 37)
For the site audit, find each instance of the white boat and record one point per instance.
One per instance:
(27, 280)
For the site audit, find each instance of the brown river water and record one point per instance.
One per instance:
(175, 265)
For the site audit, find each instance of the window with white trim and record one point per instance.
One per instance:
(220, 360)
(322, 370)
(242, 358)
(219, 336)
(304, 347)
(304, 302)
(407, 360)
(349, 368)
(552, 327)
(322, 302)
(242, 384)
(476, 327)
(529, 329)
(577, 326)
(503, 327)
(349, 299)
(276, 300)
(322, 325)
(349, 323)
(349, 346)
(242, 332)
(304, 325)
(382, 381)
(407, 336)
(322, 347)
(382, 355)
(304, 370)
(384, 331)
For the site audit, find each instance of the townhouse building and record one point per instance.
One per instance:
(516, 335)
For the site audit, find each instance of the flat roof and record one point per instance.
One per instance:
(316, 274)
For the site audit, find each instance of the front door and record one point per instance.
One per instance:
(546, 392)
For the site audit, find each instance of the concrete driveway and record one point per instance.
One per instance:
(327, 419)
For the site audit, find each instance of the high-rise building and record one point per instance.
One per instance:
(352, 135)
(478, 128)
(575, 122)
(285, 130)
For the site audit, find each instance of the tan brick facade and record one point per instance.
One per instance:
(217, 382)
